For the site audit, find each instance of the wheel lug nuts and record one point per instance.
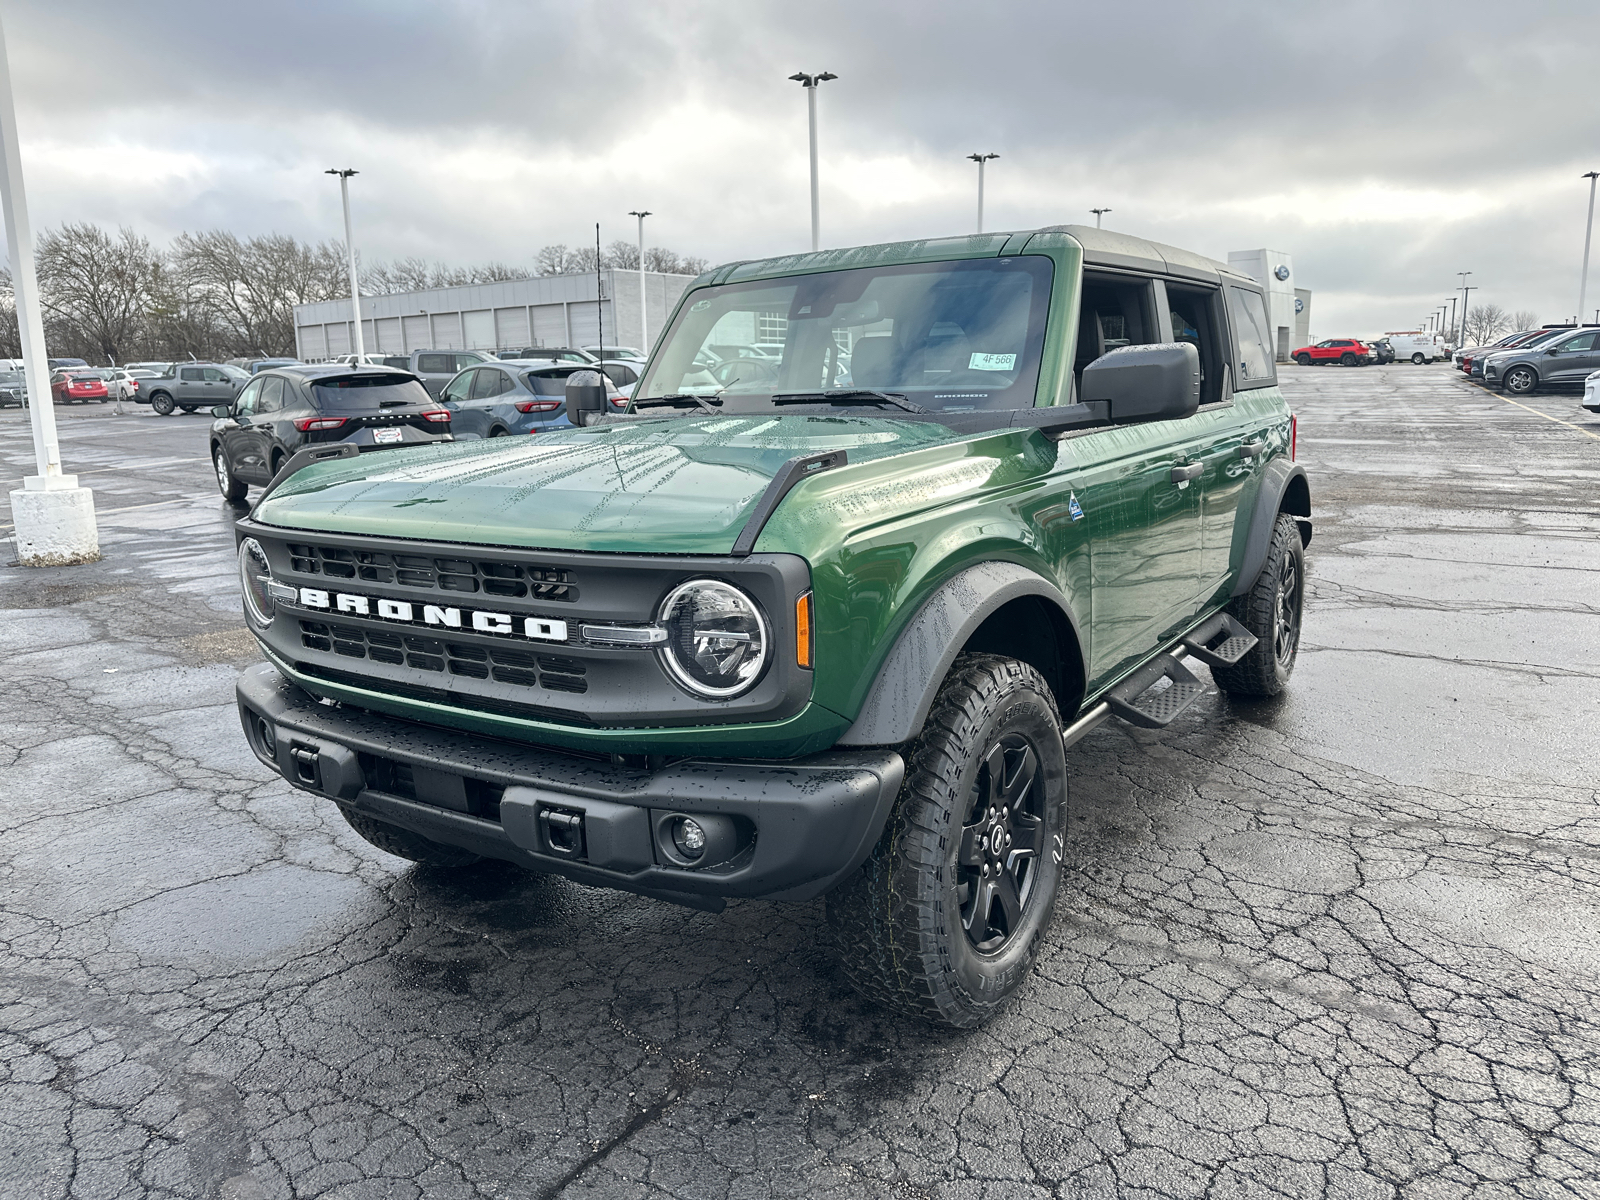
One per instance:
(1008, 839)
(983, 870)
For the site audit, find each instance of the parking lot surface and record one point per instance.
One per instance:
(1344, 943)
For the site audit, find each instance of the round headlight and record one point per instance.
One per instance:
(717, 639)
(255, 578)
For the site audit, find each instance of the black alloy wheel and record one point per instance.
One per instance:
(1002, 844)
(944, 919)
(1347, 359)
(1272, 610)
(1303, 359)
(162, 403)
(1521, 381)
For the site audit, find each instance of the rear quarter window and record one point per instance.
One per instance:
(1252, 337)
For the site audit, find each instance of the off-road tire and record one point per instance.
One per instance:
(1274, 618)
(231, 488)
(898, 924)
(402, 843)
(1303, 359)
(162, 403)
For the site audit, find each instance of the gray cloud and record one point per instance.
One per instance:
(1385, 146)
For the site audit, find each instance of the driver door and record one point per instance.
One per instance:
(1571, 360)
(239, 441)
(465, 418)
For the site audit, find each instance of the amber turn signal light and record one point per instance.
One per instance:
(802, 631)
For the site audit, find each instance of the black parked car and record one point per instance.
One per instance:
(288, 408)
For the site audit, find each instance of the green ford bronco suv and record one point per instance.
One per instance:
(882, 534)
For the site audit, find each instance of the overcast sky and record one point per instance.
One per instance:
(1385, 146)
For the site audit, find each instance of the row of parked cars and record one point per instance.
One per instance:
(1415, 347)
(1551, 356)
(381, 400)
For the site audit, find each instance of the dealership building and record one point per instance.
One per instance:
(1288, 307)
(553, 310)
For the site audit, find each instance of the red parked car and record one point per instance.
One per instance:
(1347, 352)
(78, 387)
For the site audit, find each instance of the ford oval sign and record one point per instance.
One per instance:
(1299, 305)
(1282, 272)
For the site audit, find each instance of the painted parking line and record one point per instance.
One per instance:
(1579, 428)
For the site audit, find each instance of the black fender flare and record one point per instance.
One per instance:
(899, 699)
(1283, 489)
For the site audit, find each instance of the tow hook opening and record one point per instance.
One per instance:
(561, 831)
(307, 764)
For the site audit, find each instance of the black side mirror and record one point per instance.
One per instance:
(222, 410)
(1145, 383)
(586, 397)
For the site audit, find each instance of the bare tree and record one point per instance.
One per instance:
(254, 285)
(659, 258)
(97, 287)
(1485, 322)
(1524, 318)
(10, 334)
(552, 260)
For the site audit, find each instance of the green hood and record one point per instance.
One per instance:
(682, 485)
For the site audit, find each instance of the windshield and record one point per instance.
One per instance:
(368, 394)
(951, 336)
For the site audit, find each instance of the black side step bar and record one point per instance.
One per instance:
(1219, 641)
(1138, 701)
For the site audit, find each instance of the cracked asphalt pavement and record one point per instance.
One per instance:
(1345, 943)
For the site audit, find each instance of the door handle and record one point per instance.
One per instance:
(1251, 449)
(1187, 472)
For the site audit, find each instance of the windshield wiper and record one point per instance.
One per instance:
(679, 396)
(840, 395)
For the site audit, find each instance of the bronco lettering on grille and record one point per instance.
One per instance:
(541, 629)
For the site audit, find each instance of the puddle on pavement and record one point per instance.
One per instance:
(270, 913)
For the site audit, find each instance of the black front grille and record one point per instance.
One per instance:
(507, 708)
(485, 576)
(500, 663)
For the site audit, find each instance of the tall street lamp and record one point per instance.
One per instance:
(980, 159)
(350, 253)
(1583, 280)
(1098, 212)
(54, 517)
(644, 312)
(1462, 341)
(810, 82)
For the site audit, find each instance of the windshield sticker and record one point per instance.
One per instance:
(700, 306)
(1074, 509)
(992, 362)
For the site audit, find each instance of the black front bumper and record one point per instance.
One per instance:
(784, 830)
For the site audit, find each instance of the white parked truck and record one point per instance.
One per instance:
(1418, 347)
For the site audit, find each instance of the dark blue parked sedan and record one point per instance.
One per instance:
(496, 399)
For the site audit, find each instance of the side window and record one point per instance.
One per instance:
(192, 375)
(485, 383)
(458, 388)
(270, 398)
(1252, 339)
(1584, 341)
(620, 375)
(245, 405)
(1197, 318)
(463, 361)
(215, 376)
(436, 364)
(1116, 311)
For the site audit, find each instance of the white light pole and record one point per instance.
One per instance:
(644, 311)
(1583, 280)
(54, 517)
(810, 82)
(350, 252)
(980, 159)
(1462, 341)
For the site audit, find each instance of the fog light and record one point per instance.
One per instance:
(269, 743)
(689, 838)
